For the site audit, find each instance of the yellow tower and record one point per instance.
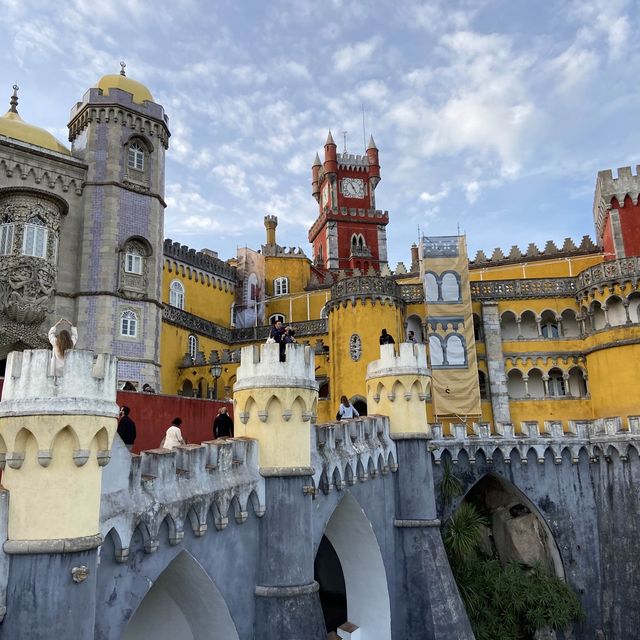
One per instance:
(56, 434)
(398, 386)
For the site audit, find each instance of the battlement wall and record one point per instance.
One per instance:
(352, 161)
(411, 360)
(260, 366)
(87, 386)
(352, 451)
(609, 187)
(597, 437)
(199, 259)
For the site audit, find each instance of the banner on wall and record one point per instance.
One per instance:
(444, 270)
(250, 296)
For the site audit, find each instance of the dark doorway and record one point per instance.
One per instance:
(333, 594)
(361, 407)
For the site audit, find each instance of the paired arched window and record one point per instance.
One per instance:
(34, 242)
(281, 286)
(7, 227)
(444, 287)
(135, 156)
(176, 294)
(193, 346)
(129, 324)
(449, 351)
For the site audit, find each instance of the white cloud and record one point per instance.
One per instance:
(351, 56)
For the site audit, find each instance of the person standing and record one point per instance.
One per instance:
(223, 424)
(386, 338)
(277, 335)
(126, 428)
(173, 437)
(411, 337)
(346, 411)
(61, 340)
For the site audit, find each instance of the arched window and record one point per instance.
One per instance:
(128, 324)
(277, 317)
(176, 294)
(431, 287)
(450, 288)
(281, 286)
(133, 260)
(549, 325)
(6, 236)
(193, 346)
(136, 156)
(556, 383)
(456, 353)
(435, 351)
(34, 242)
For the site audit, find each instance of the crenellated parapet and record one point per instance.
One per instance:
(181, 488)
(352, 451)
(398, 386)
(275, 403)
(55, 436)
(598, 438)
(608, 188)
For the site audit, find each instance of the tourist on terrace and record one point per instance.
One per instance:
(126, 428)
(411, 337)
(173, 437)
(61, 340)
(223, 424)
(276, 334)
(346, 411)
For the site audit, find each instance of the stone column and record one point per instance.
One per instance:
(495, 362)
(57, 434)
(397, 386)
(275, 404)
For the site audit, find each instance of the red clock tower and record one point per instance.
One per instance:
(349, 233)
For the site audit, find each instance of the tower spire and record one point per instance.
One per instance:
(123, 64)
(13, 103)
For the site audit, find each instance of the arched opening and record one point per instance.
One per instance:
(508, 326)
(577, 383)
(359, 561)
(570, 326)
(615, 311)
(634, 307)
(557, 387)
(515, 384)
(360, 404)
(333, 593)
(516, 532)
(478, 331)
(536, 384)
(528, 325)
(182, 603)
(450, 287)
(187, 388)
(414, 325)
(549, 325)
(598, 319)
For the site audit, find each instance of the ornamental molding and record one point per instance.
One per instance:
(528, 288)
(608, 274)
(375, 288)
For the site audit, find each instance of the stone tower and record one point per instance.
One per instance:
(56, 436)
(349, 232)
(122, 135)
(276, 403)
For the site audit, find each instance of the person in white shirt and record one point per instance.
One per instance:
(61, 340)
(346, 411)
(173, 437)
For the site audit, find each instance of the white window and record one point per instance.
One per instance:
(136, 156)
(35, 238)
(176, 294)
(435, 351)
(431, 287)
(280, 286)
(6, 238)
(129, 324)
(277, 317)
(455, 350)
(133, 261)
(450, 288)
(193, 346)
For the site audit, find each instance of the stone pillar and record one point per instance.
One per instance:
(275, 404)
(495, 362)
(397, 386)
(56, 434)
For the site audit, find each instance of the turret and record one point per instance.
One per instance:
(374, 164)
(330, 156)
(270, 224)
(315, 172)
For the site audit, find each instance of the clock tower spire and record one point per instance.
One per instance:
(349, 233)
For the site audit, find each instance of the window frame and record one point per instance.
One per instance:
(281, 286)
(134, 256)
(192, 346)
(136, 156)
(275, 317)
(7, 236)
(130, 317)
(35, 226)
(177, 296)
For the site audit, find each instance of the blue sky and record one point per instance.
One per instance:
(494, 115)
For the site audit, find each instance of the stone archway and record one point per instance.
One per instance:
(353, 541)
(517, 530)
(182, 603)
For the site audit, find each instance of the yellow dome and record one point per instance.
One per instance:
(118, 81)
(13, 126)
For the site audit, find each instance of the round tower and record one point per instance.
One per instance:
(358, 310)
(55, 437)
(330, 157)
(315, 178)
(270, 224)
(122, 134)
(276, 403)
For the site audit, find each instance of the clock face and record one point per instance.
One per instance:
(352, 188)
(325, 195)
